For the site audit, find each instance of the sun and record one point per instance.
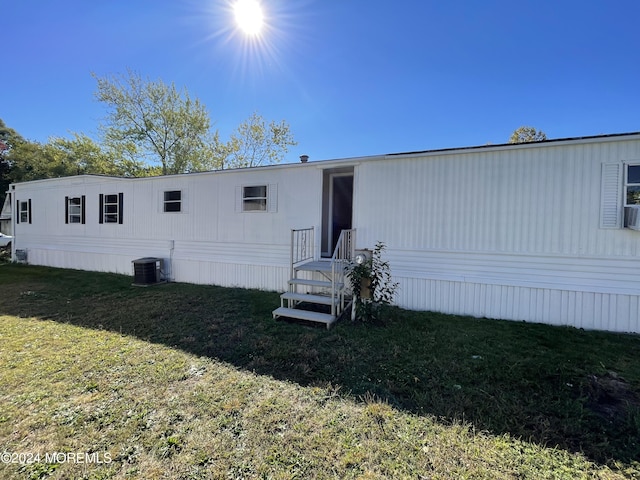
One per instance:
(249, 16)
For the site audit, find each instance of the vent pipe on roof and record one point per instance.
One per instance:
(304, 158)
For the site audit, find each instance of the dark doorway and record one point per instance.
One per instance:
(337, 208)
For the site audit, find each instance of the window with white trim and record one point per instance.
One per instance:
(172, 201)
(75, 209)
(254, 198)
(24, 211)
(632, 185)
(111, 208)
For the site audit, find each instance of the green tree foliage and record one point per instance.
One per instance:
(82, 155)
(35, 161)
(150, 129)
(22, 160)
(257, 143)
(8, 139)
(527, 134)
(32, 161)
(156, 122)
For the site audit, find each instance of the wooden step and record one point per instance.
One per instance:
(307, 297)
(313, 283)
(304, 315)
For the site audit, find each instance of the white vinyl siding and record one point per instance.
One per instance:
(527, 233)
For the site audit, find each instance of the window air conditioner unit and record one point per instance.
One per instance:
(147, 271)
(632, 217)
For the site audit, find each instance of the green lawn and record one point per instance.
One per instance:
(187, 381)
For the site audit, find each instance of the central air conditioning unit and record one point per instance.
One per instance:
(147, 271)
(632, 217)
(21, 256)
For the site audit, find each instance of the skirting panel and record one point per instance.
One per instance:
(262, 277)
(112, 263)
(580, 309)
(588, 310)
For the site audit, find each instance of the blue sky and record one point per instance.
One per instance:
(352, 77)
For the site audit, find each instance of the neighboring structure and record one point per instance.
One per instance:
(6, 226)
(530, 232)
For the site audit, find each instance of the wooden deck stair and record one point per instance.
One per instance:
(316, 286)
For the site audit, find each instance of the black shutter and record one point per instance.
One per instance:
(82, 214)
(120, 198)
(17, 211)
(66, 209)
(29, 211)
(101, 214)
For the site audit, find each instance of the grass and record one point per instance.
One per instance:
(188, 381)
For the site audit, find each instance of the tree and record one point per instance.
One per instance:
(22, 160)
(146, 121)
(31, 161)
(80, 155)
(83, 155)
(8, 138)
(256, 143)
(527, 134)
(156, 122)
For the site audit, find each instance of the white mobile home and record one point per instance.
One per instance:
(541, 232)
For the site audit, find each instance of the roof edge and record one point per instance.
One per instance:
(518, 145)
(356, 160)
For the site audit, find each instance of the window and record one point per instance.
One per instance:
(254, 199)
(111, 208)
(74, 209)
(632, 185)
(24, 211)
(173, 201)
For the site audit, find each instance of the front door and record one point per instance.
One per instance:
(337, 209)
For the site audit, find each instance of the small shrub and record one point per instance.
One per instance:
(373, 274)
(5, 253)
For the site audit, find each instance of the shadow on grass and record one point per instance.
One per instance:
(554, 386)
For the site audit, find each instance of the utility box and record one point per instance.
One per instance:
(147, 271)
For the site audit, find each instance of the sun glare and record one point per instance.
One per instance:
(252, 34)
(249, 16)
